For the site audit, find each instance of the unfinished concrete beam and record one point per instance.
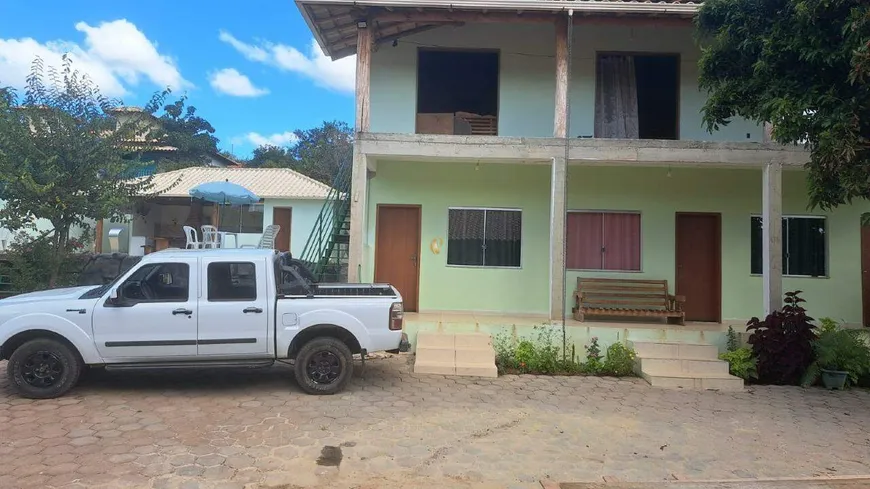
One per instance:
(560, 125)
(771, 236)
(363, 77)
(358, 193)
(558, 216)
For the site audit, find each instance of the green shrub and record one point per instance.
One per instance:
(740, 363)
(844, 350)
(826, 325)
(733, 342)
(540, 354)
(32, 258)
(593, 364)
(619, 361)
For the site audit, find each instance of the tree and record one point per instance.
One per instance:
(269, 156)
(179, 127)
(320, 152)
(62, 156)
(804, 66)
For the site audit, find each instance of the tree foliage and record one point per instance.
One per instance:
(67, 153)
(317, 153)
(802, 65)
(179, 127)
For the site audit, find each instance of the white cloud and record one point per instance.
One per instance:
(335, 75)
(231, 82)
(253, 53)
(116, 55)
(286, 138)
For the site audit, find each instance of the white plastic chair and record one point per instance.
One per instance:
(267, 240)
(209, 237)
(192, 239)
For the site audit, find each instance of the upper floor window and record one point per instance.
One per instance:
(457, 92)
(484, 237)
(804, 246)
(636, 97)
(603, 241)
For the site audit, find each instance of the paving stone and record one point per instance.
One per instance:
(146, 430)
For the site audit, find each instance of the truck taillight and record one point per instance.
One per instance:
(397, 316)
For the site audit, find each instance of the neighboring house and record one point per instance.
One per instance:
(289, 199)
(493, 135)
(124, 114)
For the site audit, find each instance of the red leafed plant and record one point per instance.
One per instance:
(783, 342)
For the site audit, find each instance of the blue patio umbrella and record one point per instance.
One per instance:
(224, 193)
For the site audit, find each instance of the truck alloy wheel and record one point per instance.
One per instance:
(43, 369)
(324, 365)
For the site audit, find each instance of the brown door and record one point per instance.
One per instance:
(282, 216)
(865, 273)
(397, 250)
(699, 258)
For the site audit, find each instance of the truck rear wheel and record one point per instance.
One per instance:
(324, 365)
(43, 369)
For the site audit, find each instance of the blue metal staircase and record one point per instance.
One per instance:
(326, 252)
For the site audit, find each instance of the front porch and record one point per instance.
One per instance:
(577, 333)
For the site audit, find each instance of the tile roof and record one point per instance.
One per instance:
(267, 183)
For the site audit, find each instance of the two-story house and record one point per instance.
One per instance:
(506, 147)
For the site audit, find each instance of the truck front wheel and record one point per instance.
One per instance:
(324, 365)
(43, 369)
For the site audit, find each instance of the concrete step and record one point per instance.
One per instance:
(682, 365)
(675, 349)
(467, 354)
(674, 380)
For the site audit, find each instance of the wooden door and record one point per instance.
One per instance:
(699, 262)
(397, 250)
(282, 216)
(865, 273)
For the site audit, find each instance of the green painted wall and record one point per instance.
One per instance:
(527, 76)
(439, 186)
(736, 194)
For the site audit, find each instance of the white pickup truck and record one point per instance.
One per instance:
(198, 308)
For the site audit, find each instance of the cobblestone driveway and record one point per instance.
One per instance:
(254, 428)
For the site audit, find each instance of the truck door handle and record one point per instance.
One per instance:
(255, 310)
(186, 312)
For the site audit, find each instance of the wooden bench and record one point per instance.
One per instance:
(625, 297)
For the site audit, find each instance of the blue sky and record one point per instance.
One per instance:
(250, 68)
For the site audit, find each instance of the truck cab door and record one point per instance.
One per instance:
(234, 314)
(151, 314)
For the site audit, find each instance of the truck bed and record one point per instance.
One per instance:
(340, 290)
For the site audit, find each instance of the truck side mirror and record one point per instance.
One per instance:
(114, 298)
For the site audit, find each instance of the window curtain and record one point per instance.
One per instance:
(465, 237)
(503, 239)
(621, 241)
(584, 237)
(616, 113)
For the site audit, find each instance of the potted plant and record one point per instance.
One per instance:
(842, 356)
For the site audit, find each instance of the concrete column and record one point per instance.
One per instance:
(558, 215)
(358, 193)
(771, 201)
(359, 180)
